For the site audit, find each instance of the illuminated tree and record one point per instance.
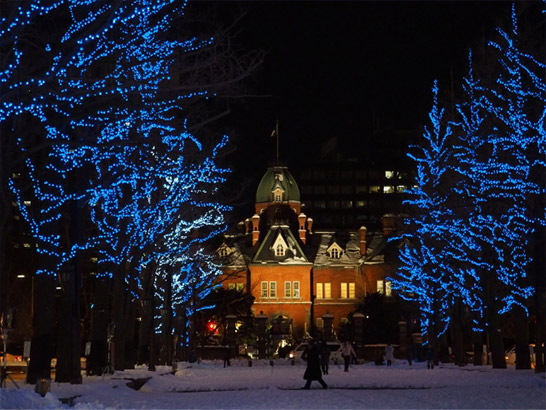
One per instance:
(106, 129)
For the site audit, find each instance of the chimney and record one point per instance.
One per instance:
(302, 232)
(310, 225)
(247, 226)
(362, 231)
(255, 229)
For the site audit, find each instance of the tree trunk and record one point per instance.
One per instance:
(100, 317)
(42, 329)
(68, 335)
(478, 348)
(118, 316)
(521, 328)
(495, 337)
(457, 334)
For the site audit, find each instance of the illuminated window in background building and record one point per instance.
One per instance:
(296, 289)
(384, 287)
(401, 188)
(388, 189)
(352, 290)
(328, 291)
(27, 203)
(264, 290)
(360, 204)
(287, 289)
(389, 174)
(346, 204)
(320, 291)
(343, 290)
(375, 189)
(273, 289)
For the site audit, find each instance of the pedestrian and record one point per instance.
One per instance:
(227, 357)
(347, 352)
(312, 371)
(430, 356)
(324, 357)
(389, 354)
(409, 351)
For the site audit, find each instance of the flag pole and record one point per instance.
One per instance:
(277, 134)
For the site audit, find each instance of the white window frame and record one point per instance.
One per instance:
(265, 289)
(381, 286)
(388, 290)
(296, 288)
(279, 251)
(272, 289)
(287, 289)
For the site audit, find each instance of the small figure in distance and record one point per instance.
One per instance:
(347, 352)
(389, 354)
(324, 357)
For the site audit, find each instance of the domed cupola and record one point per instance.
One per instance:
(278, 186)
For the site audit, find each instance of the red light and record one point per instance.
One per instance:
(212, 326)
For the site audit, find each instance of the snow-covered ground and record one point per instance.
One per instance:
(210, 386)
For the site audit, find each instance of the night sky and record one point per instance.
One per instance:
(342, 69)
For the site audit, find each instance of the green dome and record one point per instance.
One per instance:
(279, 179)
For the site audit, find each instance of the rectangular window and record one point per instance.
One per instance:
(320, 323)
(352, 290)
(287, 289)
(231, 286)
(272, 289)
(328, 290)
(264, 290)
(388, 291)
(343, 291)
(388, 189)
(320, 294)
(240, 287)
(296, 289)
(380, 286)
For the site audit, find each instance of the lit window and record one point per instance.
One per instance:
(401, 188)
(334, 253)
(388, 189)
(278, 197)
(384, 287)
(27, 203)
(26, 245)
(272, 289)
(264, 290)
(94, 259)
(240, 287)
(375, 189)
(287, 289)
(388, 291)
(389, 174)
(360, 204)
(296, 289)
(352, 289)
(346, 204)
(279, 251)
(343, 291)
(320, 290)
(328, 291)
(223, 252)
(231, 286)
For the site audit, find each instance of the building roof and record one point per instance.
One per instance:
(280, 235)
(277, 177)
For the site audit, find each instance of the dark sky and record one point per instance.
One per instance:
(337, 69)
(340, 69)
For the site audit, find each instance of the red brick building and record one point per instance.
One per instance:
(296, 274)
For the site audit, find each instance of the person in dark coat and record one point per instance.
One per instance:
(312, 371)
(324, 357)
(430, 356)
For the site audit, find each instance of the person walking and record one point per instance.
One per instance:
(312, 371)
(347, 352)
(430, 356)
(389, 354)
(324, 357)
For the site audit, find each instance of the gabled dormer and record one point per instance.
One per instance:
(279, 245)
(224, 250)
(335, 251)
(278, 194)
